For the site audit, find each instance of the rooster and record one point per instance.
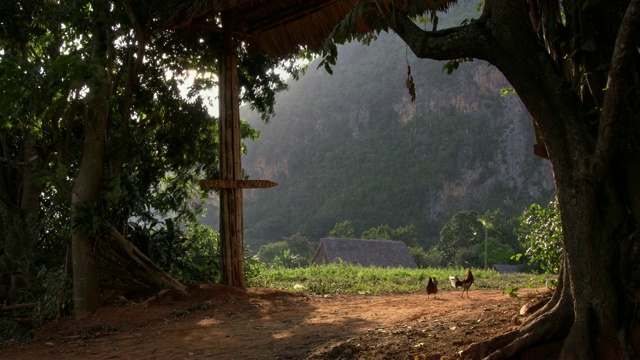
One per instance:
(465, 284)
(432, 287)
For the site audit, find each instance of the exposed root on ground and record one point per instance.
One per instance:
(546, 327)
(549, 324)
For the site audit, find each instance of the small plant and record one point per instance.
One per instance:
(286, 259)
(512, 291)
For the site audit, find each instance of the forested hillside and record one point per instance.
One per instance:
(354, 146)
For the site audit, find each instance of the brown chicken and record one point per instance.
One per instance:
(432, 287)
(465, 283)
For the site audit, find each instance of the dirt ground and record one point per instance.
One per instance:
(218, 322)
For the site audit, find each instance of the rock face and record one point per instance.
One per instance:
(353, 146)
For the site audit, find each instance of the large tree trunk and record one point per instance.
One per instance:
(592, 189)
(594, 312)
(85, 195)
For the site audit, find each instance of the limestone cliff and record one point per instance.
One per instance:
(354, 146)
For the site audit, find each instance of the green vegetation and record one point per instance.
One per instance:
(293, 251)
(464, 241)
(346, 278)
(541, 234)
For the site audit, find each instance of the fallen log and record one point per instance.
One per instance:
(16, 307)
(140, 268)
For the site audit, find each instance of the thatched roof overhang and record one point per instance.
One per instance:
(278, 27)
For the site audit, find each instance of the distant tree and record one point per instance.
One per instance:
(342, 229)
(503, 228)
(287, 260)
(419, 256)
(406, 234)
(498, 253)
(457, 236)
(267, 253)
(301, 245)
(468, 256)
(434, 257)
(295, 250)
(380, 232)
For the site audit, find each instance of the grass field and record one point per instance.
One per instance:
(345, 278)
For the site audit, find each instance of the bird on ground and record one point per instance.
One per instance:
(465, 283)
(432, 287)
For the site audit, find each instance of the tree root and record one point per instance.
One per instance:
(541, 330)
(551, 323)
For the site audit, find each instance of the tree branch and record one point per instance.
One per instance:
(133, 71)
(452, 43)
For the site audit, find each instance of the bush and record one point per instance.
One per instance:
(420, 257)
(541, 235)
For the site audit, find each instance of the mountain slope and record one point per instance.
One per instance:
(353, 146)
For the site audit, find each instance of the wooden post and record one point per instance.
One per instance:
(231, 224)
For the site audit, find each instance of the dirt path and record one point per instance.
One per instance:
(217, 322)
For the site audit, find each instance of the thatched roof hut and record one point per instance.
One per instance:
(507, 269)
(382, 253)
(276, 27)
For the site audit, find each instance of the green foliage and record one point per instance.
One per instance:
(462, 240)
(497, 253)
(87, 218)
(187, 251)
(458, 235)
(406, 234)
(293, 251)
(434, 257)
(541, 235)
(508, 91)
(343, 229)
(381, 232)
(453, 65)
(53, 298)
(420, 257)
(503, 228)
(512, 291)
(286, 259)
(57, 295)
(268, 252)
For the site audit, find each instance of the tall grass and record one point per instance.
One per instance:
(347, 278)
